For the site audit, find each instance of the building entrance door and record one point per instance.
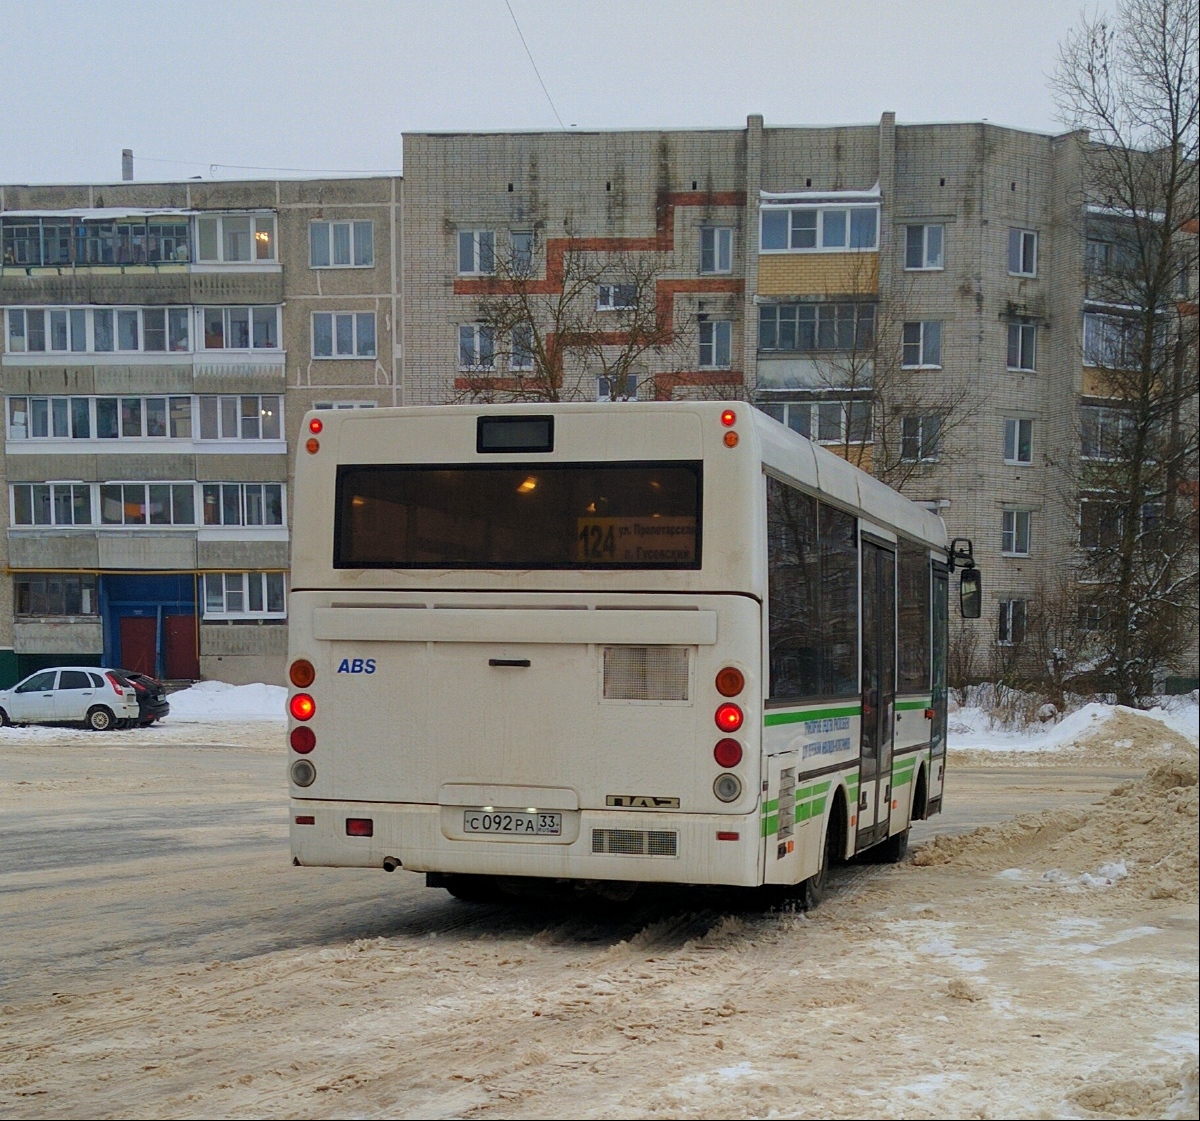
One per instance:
(183, 663)
(878, 692)
(139, 643)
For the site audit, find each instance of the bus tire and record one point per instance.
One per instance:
(891, 851)
(472, 889)
(100, 719)
(920, 802)
(833, 850)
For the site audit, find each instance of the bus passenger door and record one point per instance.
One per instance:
(878, 692)
(941, 636)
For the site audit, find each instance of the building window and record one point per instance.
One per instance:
(922, 344)
(844, 327)
(1011, 629)
(923, 247)
(1113, 342)
(715, 335)
(341, 245)
(521, 348)
(79, 241)
(241, 418)
(716, 249)
(97, 330)
(1018, 440)
(235, 238)
(247, 417)
(476, 252)
(1022, 252)
(522, 251)
(616, 297)
(1105, 432)
(345, 405)
(55, 593)
(1014, 536)
(1022, 346)
(241, 328)
(1099, 523)
(343, 334)
(826, 422)
(51, 504)
(611, 389)
(819, 229)
(248, 504)
(244, 595)
(476, 347)
(921, 438)
(148, 504)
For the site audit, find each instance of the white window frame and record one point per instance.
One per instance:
(520, 348)
(360, 242)
(821, 209)
(1117, 422)
(611, 297)
(264, 581)
(928, 431)
(1014, 525)
(483, 244)
(523, 266)
(335, 317)
(604, 389)
(1027, 336)
(262, 222)
(1022, 244)
(795, 412)
(55, 486)
(479, 331)
(234, 410)
(715, 334)
(719, 247)
(126, 526)
(927, 265)
(1012, 440)
(227, 312)
(79, 321)
(929, 338)
(1012, 610)
(201, 517)
(322, 406)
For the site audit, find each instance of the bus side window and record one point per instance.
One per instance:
(914, 616)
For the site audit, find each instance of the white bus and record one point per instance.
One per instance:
(607, 645)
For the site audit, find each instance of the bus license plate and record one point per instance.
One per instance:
(512, 824)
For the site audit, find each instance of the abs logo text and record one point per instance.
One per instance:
(357, 665)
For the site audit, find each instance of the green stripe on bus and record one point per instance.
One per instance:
(904, 706)
(771, 719)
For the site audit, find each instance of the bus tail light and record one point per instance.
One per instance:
(728, 835)
(730, 682)
(306, 819)
(729, 418)
(312, 445)
(302, 673)
(728, 788)
(303, 773)
(316, 425)
(727, 753)
(304, 739)
(728, 717)
(731, 439)
(302, 706)
(360, 827)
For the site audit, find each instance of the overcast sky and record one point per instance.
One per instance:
(317, 87)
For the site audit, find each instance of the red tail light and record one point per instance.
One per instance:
(302, 706)
(303, 739)
(112, 680)
(315, 426)
(360, 827)
(729, 718)
(727, 753)
(729, 418)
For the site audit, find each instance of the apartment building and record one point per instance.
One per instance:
(787, 256)
(161, 345)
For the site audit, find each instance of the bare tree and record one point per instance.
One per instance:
(594, 318)
(1132, 83)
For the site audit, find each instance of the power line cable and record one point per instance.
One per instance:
(253, 167)
(534, 65)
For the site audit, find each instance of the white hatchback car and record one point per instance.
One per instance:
(100, 698)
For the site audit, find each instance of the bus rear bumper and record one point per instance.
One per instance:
(708, 848)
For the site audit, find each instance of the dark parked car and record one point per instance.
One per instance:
(151, 697)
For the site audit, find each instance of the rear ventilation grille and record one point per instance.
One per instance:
(635, 842)
(645, 673)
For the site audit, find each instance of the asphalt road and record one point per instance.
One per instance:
(126, 855)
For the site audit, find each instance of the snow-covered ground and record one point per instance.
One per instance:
(214, 700)
(974, 729)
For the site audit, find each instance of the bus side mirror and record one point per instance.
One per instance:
(970, 593)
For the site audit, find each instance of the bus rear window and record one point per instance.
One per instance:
(569, 515)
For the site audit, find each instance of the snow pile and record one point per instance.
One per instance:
(215, 700)
(1141, 838)
(974, 729)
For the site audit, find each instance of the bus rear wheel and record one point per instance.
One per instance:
(471, 889)
(891, 851)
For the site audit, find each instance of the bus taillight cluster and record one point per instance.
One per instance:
(303, 707)
(729, 717)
